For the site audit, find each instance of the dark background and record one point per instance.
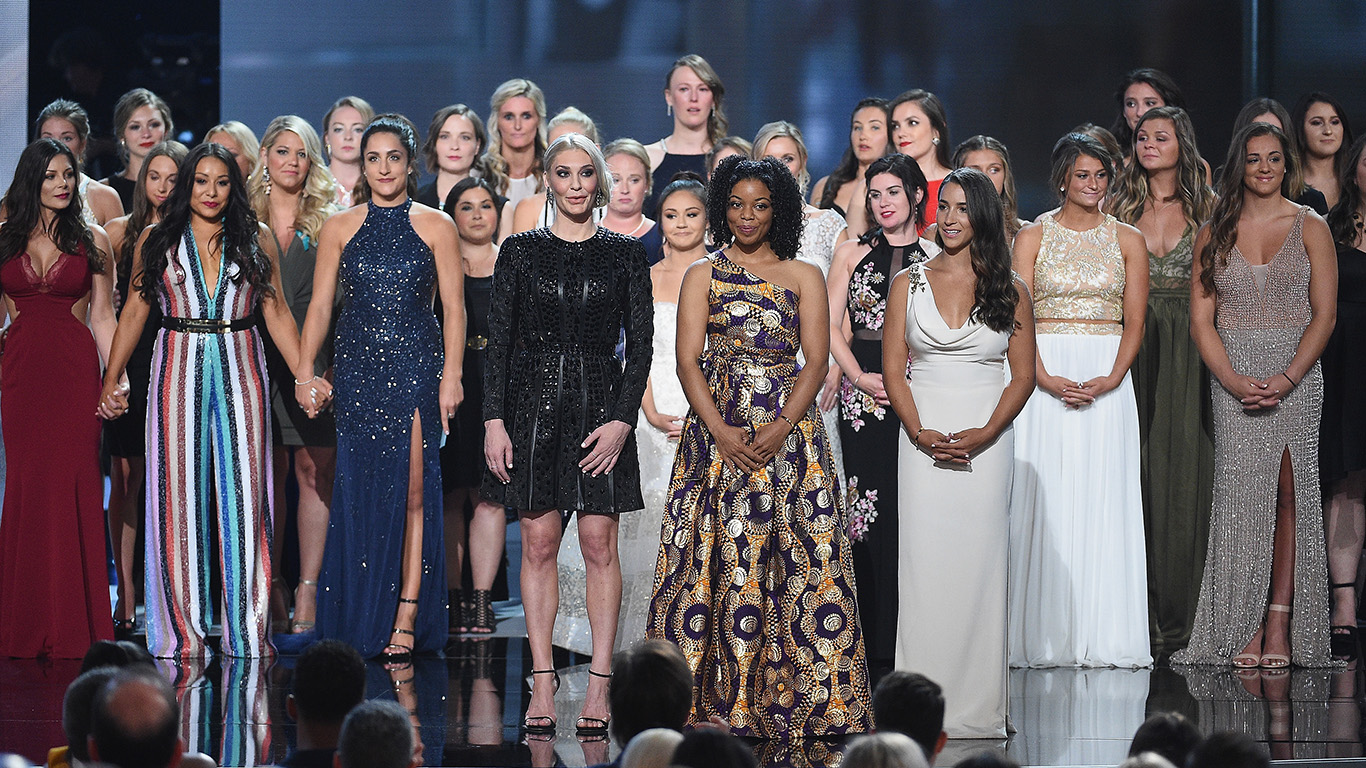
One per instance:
(1024, 71)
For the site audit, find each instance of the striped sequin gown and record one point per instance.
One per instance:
(208, 453)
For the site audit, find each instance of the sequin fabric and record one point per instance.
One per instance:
(1079, 276)
(1261, 331)
(553, 377)
(388, 368)
(754, 581)
(208, 455)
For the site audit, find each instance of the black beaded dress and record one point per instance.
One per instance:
(556, 312)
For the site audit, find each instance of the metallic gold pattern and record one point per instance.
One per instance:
(754, 582)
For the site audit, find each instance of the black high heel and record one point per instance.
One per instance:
(394, 653)
(1344, 642)
(597, 726)
(547, 722)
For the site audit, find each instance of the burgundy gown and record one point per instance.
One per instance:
(54, 586)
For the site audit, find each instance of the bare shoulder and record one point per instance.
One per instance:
(1130, 236)
(656, 152)
(342, 226)
(1032, 234)
(427, 219)
(850, 252)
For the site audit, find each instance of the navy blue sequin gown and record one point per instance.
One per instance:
(388, 365)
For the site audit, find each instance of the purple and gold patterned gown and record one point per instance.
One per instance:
(754, 581)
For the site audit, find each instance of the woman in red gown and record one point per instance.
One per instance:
(54, 586)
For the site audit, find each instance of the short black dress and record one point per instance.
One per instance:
(1342, 432)
(557, 310)
(462, 457)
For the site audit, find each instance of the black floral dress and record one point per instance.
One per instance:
(557, 311)
(870, 434)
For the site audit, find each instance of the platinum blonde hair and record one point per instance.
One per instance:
(579, 141)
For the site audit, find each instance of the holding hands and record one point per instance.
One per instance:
(313, 395)
(114, 399)
(955, 447)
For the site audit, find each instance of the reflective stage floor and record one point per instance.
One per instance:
(468, 704)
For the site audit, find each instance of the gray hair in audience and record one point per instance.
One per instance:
(376, 734)
(884, 750)
(653, 748)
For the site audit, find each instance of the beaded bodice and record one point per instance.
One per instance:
(1281, 302)
(1079, 276)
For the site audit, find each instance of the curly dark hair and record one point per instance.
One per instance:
(995, 297)
(1159, 81)
(23, 204)
(237, 235)
(785, 234)
(1340, 220)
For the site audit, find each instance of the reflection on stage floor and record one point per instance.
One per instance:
(468, 703)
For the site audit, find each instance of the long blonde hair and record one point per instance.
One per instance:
(1132, 191)
(509, 90)
(320, 189)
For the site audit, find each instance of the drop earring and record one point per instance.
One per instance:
(266, 176)
(669, 109)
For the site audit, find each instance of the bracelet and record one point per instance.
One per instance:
(856, 378)
(789, 421)
(1293, 383)
(916, 439)
(298, 383)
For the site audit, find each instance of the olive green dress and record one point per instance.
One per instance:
(1171, 385)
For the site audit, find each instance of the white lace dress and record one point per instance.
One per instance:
(819, 237)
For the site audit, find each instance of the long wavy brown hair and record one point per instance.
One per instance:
(1223, 223)
(1132, 192)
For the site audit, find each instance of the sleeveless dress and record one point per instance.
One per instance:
(462, 457)
(753, 581)
(553, 376)
(388, 366)
(1342, 441)
(817, 247)
(208, 456)
(292, 425)
(637, 535)
(954, 521)
(1170, 386)
(1261, 325)
(870, 434)
(54, 586)
(126, 436)
(1078, 583)
(669, 165)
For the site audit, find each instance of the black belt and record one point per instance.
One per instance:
(864, 334)
(206, 325)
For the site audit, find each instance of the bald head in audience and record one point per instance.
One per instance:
(135, 722)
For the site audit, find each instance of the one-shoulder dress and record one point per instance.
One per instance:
(754, 580)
